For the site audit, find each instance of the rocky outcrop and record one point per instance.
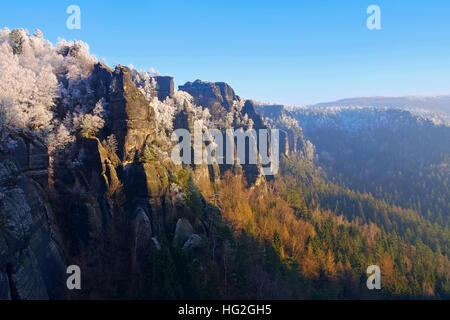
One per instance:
(130, 118)
(249, 110)
(218, 97)
(96, 227)
(223, 103)
(292, 138)
(183, 231)
(212, 95)
(164, 87)
(194, 241)
(114, 208)
(31, 261)
(31, 158)
(109, 211)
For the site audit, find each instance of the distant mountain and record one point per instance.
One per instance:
(424, 105)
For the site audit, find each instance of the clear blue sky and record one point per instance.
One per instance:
(292, 52)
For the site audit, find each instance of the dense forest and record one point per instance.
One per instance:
(301, 237)
(395, 156)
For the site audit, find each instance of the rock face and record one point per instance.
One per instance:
(113, 208)
(223, 103)
(164, 87)
(31, 158)
(194, 241)
(132, 120)
(218, 97)
(31, 261)
(249, 109)
(109, 211)
(211, 94)
(292, 138)
(203, 173)
(183, 231)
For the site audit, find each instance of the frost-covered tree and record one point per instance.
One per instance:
(144, 82)
(59, 139)
(164, 111)
(91, 123)
(183, 100)
(111, 143)
(34, 74)
(28, 84)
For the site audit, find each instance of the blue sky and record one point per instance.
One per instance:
(291, 52)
